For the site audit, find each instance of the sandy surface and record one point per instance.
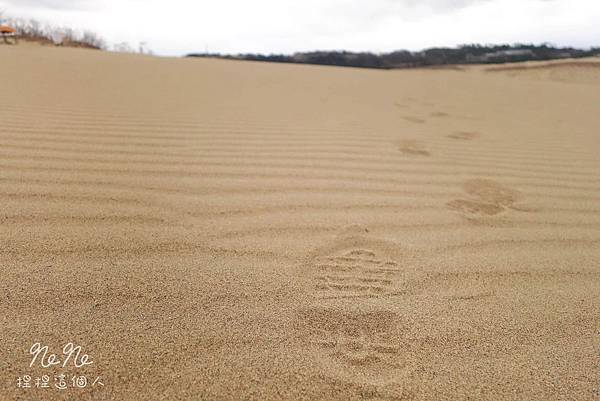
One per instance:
(224, 230)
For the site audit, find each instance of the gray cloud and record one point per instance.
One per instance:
(379, 10)
(439, 4)
(68, 5)
(292, 25)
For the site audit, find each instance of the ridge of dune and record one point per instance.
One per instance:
(212, 229)
(584, 71)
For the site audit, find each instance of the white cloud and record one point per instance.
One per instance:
(181, 26)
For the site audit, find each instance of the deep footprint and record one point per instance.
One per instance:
(355, 339)
(354, 273)
(348, 321)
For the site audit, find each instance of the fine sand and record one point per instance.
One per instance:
(222, 230)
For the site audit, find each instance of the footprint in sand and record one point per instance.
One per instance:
(415, 120)
(491, 191)
(345, 321)
(474, 207)
(412, 147)
(486, 197)
(355, 273)
(464, 136)
(357, 340)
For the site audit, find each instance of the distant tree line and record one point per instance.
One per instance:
(464, 54)
(33, 30)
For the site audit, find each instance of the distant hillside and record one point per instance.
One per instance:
(35, 31)
(466, 54)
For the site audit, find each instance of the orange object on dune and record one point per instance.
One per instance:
(6, 29)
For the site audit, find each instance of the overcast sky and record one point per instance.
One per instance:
(177, 27)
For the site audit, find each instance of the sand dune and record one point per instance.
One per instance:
(211, 229)
(584, 72)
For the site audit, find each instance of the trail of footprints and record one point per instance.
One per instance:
(357, 273)
(484, 197)
(346, 321)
